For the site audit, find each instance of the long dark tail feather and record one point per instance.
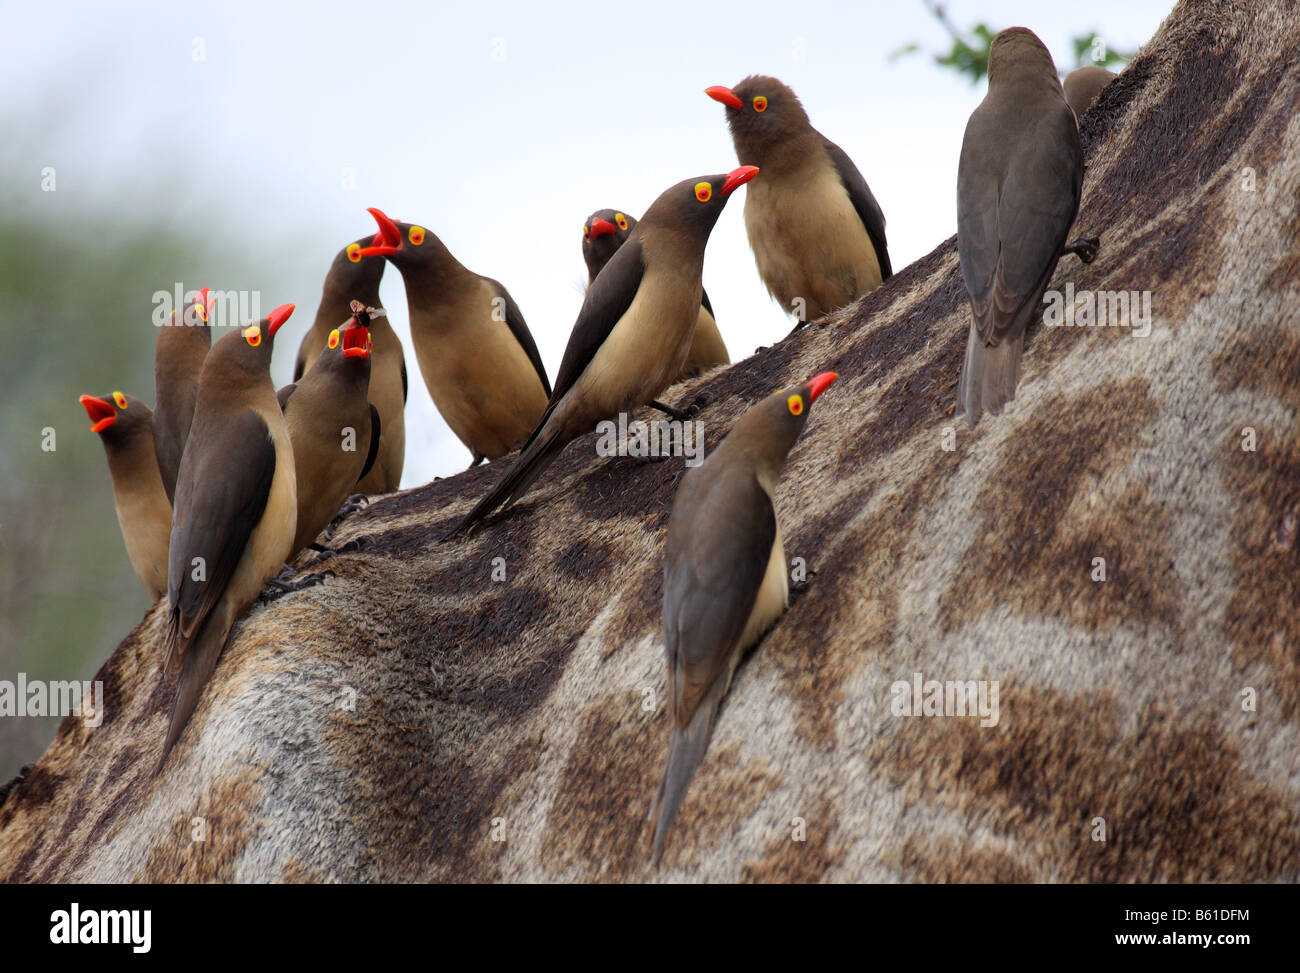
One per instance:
(686, 750)
(535, 458)
(989, 377)
(196, 669)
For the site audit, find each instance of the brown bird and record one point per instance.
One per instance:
(477, 356)
(182, 345)
(603, 233)
(1083, 85)
(725, 578)
(633, 331)
(335, 431)
(125, 427)
(817, 232)
(236, 508)
(353, 278)
(1018, 186)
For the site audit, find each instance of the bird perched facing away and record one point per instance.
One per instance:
(1018, 185)
(125, 427)
(724, 578)
(633, 331)
(1083, 85)
(236, 508)
(477, 356)
(335, 431)
(353, 278)
(604, 232)
(183, 343)
(816, 230)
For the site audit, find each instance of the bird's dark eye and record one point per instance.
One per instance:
(586, 233)
(621, 220)
(703, 191)
(795, 402)
(354, 253)
(120, 399)
(760, 103)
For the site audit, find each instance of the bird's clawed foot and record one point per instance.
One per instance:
(1085, 248)
(798, 588)
(356, 544)
(681, 415)
(478, 458)
(358, 501)
(277, 588)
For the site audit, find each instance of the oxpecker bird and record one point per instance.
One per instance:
(725, 578)
(477, 356)
(236, 508)
(1018, 185)
(125, 427)
(633, 332)
(817, 232)
(1083, 85)
(604, 232)
(183, 343)
(352, 278)
(335, 431)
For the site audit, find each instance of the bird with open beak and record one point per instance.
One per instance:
(725, 578)
(633, 332)
(603, 233)
(334, 429)
(236, 509)
(817, 232)
(478, 358)
(125, 427)
(353, 278)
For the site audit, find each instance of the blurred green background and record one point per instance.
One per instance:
(77, 278)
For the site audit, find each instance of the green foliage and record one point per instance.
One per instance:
(968, 55)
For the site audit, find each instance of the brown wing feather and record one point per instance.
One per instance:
(221, 493)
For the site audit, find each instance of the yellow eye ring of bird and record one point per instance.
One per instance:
(586, 232)
(201, 310)
(795, 404)
(703, 191)
(120, 399)
(253, 335)
(760, 103)
(354, 252)
(621, 220)
(334, 338)
(416, 235)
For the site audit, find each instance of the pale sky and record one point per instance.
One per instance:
(499, 126)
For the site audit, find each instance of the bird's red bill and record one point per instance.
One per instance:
(737, 178)
(720, 92)
(101, 412)
(601, 227)
(277, 318)
(387, 240)
(819, 384)
(356, 342)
